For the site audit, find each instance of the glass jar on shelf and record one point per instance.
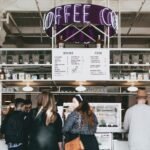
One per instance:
(9, 59)
(15, 59)
(47, 59)
(35, 58)
(25, 58)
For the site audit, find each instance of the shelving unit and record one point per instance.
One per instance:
(117, 68)
(54, 86)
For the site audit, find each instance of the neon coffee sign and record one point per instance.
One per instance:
(80, 13)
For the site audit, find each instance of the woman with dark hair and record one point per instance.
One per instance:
(46, 131)
(82, 121)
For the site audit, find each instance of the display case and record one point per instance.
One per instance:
(108, 115)
(109, 121)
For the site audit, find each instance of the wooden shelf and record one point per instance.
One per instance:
(123, 83)
(22, 65)
(129, 65)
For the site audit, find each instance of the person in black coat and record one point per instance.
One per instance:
(13, 126)
(46, 130)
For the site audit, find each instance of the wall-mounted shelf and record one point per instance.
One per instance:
(130, 65)
(25, 65)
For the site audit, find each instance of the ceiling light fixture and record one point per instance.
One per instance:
(132, 88)
(80, 88)
(27, 88)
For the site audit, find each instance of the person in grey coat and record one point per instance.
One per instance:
(137, 123)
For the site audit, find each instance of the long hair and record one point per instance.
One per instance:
(86, 113)
(46, 103)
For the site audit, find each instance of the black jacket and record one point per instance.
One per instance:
(45, 137)
(13, 127)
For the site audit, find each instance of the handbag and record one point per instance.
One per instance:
(75, 144)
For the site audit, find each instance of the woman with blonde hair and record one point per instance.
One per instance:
(47, 125)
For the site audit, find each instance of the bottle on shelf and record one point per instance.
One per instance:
(2, 74)
(98, 42)
(8, 74)
(61, 43)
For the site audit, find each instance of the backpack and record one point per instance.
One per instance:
(14, 128)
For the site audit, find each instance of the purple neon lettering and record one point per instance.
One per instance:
(109, 18)
(48, 19)
(66, 13)
(114, 20)
(103, 21)
(85, 14)
(57, 15)
(76, 14)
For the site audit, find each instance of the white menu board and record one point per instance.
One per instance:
(80, 64)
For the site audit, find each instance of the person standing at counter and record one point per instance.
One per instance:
(82, 121)
(46, 130)
(13, 126)
(137, 123)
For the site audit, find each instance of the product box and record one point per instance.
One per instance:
(135, 58)
(34, 77)
(15, 76)
(125, 58)
(27, 76)
(145, 76)
(133, 76)
(140, 76)
(21, 76)
(116, 58)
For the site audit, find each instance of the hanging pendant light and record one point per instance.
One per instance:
(27, 88)
(132, 88)
(80, 88)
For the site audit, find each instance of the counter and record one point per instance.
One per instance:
(3, 146)
(120, 145)
(108, 140)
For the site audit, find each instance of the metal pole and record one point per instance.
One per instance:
(108, 36)
(119, 25)
(52, 37)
